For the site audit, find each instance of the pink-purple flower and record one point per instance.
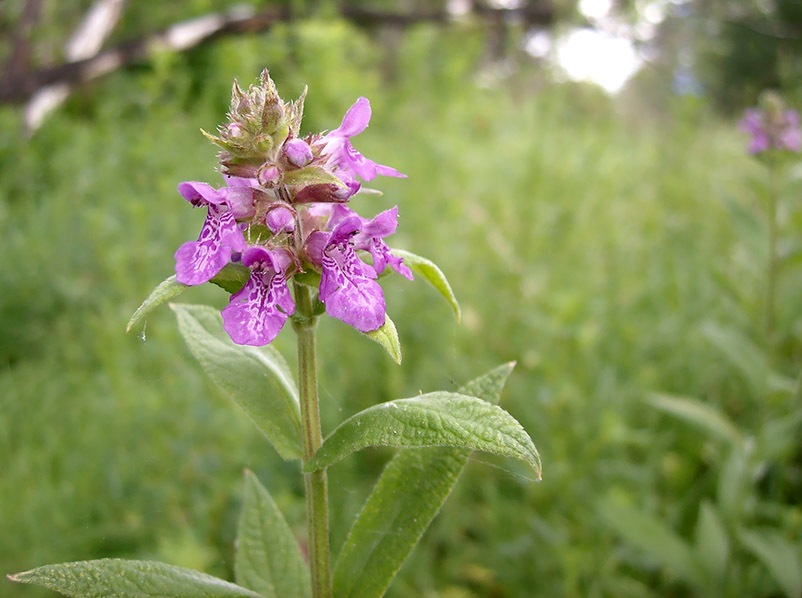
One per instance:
(256, 313)
(199, 261)
(282, 212)
(772, 130)
(341, 153)
(348, 287)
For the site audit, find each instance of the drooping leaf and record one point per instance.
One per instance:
(117, 578)
(231, 278)
(650, 535)
(748, 360)
(733, 487)
(712, 544)
(405, 500)
(701, 414)
(435, 419)
(780, 557)
(387, 337)
(268, 559)
(256, 378)
(167, 289)
(434, 275)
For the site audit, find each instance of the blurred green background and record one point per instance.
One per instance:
(614, 245)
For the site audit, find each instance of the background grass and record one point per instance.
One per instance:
(612, 253)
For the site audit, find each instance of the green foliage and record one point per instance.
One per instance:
(258, 379)
(781, 557)
(167, 289)
(387, 337)
(269, 560)
(130, 579)
(433, 275)
(434, 419)
(589, 242)
(408, 495)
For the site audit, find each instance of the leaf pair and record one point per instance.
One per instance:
(406, 498)
(259, 381)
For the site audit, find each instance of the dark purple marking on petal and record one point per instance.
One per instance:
(348, 290)
(199, 261)
(257, 313)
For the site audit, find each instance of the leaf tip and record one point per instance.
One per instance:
(21, 577)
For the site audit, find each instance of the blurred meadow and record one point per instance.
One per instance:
(614, 245)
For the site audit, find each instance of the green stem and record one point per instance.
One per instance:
(315, 484)
(773, 262)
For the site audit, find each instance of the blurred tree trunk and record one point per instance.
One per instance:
(19, 63)
(45, 87)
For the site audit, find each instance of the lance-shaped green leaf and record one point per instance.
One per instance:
(696, 412)
(117, 578)
(405, 500)
(268, 560)
(231, 278)
(256, 378)
(435, 419)
(166, 290)
(779, 556)
(434, 275)
(387, 337)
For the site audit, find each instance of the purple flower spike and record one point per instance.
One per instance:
(791, 137)
(771, 130)
(347, 287)
(342, 154)
(257, 313)
(198, 261)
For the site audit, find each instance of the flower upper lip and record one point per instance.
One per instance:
(342, 154)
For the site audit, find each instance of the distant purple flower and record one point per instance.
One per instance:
(347, 285)
(772, 132)
(198, 261)
(256, 314)
(341, 153)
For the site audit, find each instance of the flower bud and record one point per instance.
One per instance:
(235, 131)
(269, 176)
(280, 219)
(297, 152)
(242, 202)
